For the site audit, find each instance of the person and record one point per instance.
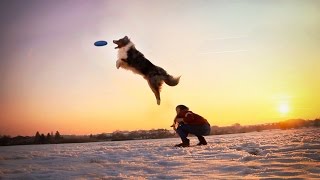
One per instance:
(187, 122)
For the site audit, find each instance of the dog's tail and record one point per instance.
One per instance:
(171, 81)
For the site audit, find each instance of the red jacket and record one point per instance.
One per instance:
(192, 118)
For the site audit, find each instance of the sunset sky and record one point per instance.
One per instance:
(247, 62)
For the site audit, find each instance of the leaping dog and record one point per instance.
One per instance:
(131, 59)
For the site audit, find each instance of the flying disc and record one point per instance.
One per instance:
(100, 43)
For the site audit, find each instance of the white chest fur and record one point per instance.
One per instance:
(122, 52)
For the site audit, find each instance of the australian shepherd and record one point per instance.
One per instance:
(131, 59)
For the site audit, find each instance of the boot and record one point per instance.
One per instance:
(202, 141)
(183, 144)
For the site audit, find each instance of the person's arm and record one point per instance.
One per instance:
(188, 117)
(179, 120)
(176, 121)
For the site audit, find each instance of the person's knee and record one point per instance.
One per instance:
(183, 127)
(180, 130)
(208, 131)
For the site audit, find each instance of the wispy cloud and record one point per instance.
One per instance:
(232, 44)
(229, 37)
(221, 52)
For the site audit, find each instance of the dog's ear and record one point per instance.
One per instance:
(126, 37)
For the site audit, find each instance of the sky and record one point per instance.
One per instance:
(247, 62)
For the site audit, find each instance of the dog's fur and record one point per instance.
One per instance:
(131, 59)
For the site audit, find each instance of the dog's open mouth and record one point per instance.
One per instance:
(117, 43)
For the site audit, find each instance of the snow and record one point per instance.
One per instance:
(257, 155)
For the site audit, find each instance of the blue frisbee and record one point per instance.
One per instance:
(100, 43)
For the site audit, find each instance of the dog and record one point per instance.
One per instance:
(130, 58)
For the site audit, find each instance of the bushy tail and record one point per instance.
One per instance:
(171, 81)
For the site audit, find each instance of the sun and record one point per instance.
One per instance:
(283, 108)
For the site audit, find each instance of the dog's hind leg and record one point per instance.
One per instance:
(155, 85)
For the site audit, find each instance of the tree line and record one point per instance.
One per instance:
(47, 139)
(50, 138)
(288, 124)
(134, 135)
(57, 138)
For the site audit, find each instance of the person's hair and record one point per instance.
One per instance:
(182, 107)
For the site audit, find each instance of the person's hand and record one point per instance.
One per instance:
(174, 126)
(179, 120)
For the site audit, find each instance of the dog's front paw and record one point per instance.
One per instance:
(118, 64)
(158, 101)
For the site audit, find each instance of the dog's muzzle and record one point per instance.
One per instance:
(116, 42)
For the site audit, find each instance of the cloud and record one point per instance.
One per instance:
(221, 52)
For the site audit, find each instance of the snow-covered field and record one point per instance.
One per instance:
(257, 155)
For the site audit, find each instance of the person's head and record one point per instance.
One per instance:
(181, 108)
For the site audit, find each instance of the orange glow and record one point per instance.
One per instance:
(237, 65)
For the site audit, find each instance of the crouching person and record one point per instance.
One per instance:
(186, 122)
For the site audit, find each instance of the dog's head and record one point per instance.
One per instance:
(121, 42)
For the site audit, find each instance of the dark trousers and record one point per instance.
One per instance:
(198, 130)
